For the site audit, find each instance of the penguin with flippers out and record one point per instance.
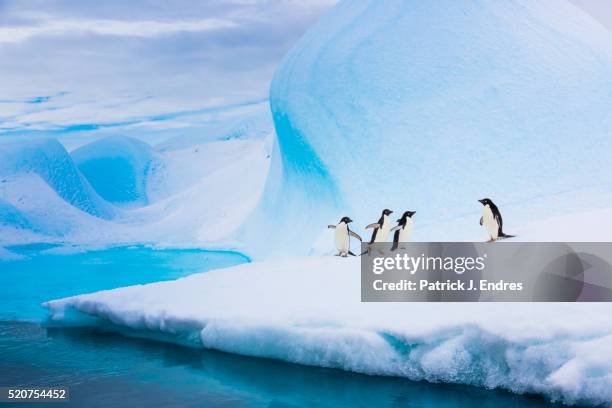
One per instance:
(492, 220)
(343, 237)
(381, 228)
(403, 230)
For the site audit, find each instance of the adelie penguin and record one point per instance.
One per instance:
(343, 237)
(381, 228)
(402, 231)
(492, 220)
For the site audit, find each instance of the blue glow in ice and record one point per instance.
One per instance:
(430, 106)
(117, 168)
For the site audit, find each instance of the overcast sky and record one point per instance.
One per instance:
(80, 63)
(73, 65)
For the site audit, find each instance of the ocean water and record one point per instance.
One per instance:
(47, 272)
(104, 369)
(107, 370)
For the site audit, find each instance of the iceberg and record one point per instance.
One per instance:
(430, 106)
(309, 311)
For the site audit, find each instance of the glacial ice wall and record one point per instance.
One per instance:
(430, 106)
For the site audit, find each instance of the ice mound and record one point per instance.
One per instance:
(195, 195)
(308, 311)
(32, 211)
(23, 162)
(119, 168)
(430, 106)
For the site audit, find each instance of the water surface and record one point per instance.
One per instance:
(46, 272)
(106, 370)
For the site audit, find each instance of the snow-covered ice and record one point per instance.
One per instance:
(211, 191)
(308, 311)
(430, 106)
(189, 191)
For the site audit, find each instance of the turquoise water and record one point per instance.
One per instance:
(44, 274)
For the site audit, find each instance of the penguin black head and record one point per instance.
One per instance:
(486, 201)
(346, 220)
(407, 214)
(387, 212)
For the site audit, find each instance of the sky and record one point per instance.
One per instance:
(107, 66)
(78, 66)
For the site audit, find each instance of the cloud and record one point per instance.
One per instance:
(16, 34)
(78, 69)
(110, 66)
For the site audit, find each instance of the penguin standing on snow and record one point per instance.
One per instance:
(403, 230)
(381, 228)
(492, 220)
(343, 237)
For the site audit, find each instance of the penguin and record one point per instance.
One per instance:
(492, 220)
(403, 230)
(343, 237)
(381, 228)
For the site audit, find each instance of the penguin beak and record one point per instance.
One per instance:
(412, 213)
(481, 201)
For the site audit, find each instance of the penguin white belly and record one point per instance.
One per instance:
(490, 223)
(383, 232)
(406, 232)
(342, 239)
(382, 235)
